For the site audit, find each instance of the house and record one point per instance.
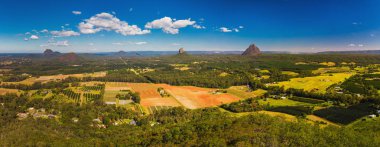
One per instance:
(75, 120)
(372, 116)
(133, 122)
(22, 115)
(97, 120)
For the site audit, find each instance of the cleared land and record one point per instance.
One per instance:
(43, 79)
(243, 92)
(112, 89)
(5, 90)
(289, 73)
(315, 84)
(331, 70)
(280, 102)
(195, 97)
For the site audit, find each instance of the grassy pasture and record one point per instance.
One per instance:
(6, 90)
(315, 84)
(112, 89)
(327, 63)
(282, 102)
(290, 73)
(242, 92)
(331, 70)
(264, 71)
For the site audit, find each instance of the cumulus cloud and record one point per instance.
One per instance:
(44, 31)
(63, 43)
(199, 26)
(169, 25)
(34, 37)
(225, 30)
(64, 33)
(77, 12)
(141, 43)
(236, 30)
(108, 22)
(117, 43)
(241, 27)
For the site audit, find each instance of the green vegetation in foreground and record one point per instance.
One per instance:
(167, 127)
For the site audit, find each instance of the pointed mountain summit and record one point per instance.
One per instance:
(50, 53)
(252, 50)
(181, 51)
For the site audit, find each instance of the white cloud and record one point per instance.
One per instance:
(91, 44)
(175, 44)
(44, 31)
(63, 43)
(141, 43)
(64, 33)
(168, 25)
(26, 39)
(225, 30)
(241, 27)
(360, 45)
(27, 33)
(117, 43)
(199, 26)
(108, 22)
(372, 35)
(34, 37)
(236, 30)
(352, 45)
(44, 45)
(130, 9)
(77, 12)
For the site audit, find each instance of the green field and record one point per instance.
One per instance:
(331, 70)
(289, 73)
(315, 84)
(284, 102)
(243, 92)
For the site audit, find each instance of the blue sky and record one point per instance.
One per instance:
(113, 25)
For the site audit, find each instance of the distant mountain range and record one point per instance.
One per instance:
(164, 53)
(352, 52)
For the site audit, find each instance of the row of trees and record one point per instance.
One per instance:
(71, 94)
